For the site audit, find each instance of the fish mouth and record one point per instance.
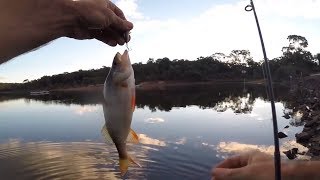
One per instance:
(125, 56)
(121, 61)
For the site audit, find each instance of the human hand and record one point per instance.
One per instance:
(29, 24)
(99, 19)
(247, 166)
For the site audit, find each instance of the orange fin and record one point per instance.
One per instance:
(133, 137)
(133, 102)
(124, 165)
(134, 162)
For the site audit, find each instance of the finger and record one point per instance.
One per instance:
(116, 10)
(228, 174)
(109, 37)
(110, 34)
(112, 43)
(117, 23)
(234, 162)
(119, 13)
(127, 37)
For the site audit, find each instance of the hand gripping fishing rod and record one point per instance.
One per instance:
(277, 160)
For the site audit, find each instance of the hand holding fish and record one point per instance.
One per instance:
(258, 165)
(29, 24)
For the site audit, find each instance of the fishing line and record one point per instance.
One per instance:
(277, 160)
(265, 79)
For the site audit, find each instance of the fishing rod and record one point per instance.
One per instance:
(277, 160)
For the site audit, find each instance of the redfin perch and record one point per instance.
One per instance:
(118, 107)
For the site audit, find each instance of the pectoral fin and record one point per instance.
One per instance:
(106, 135)
(133, 137)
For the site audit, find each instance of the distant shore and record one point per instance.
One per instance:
(150, 85)
(158, 85)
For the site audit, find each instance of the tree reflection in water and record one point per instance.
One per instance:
(220, 97)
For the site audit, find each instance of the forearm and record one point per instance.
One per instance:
(301, 170)
(28, 24)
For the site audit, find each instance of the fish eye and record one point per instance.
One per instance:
(115, 63)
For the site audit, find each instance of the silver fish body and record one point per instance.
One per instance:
(118, 107)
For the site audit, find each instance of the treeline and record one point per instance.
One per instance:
(294, 63)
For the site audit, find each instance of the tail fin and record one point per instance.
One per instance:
(134, 162)
(124, 164)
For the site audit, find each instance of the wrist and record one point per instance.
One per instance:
(62, 18)
(300, 170)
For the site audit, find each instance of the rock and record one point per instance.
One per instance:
(316, 117)
(315, 113)
(302, 153)
(286, 116)
(315, 139)
(306, 129)
(282, 135)
(303, 137)
(286, 127)
(311, 123)
(315, 147)
(291, 154)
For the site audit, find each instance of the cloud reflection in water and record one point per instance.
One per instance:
(85, 109)
(71, 160)
(224, 149)
(154, 120)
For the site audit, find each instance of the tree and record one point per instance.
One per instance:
(219, 56)
(296, 43)
(317, 57)
(240, 57)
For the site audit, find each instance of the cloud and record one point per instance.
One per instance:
(221, 28)
(308, 9)
(130, 9)
(154, 120)
(181, 141)
(2, 78)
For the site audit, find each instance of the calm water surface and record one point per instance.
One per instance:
(183, 132)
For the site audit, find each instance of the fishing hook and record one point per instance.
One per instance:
(126, 38)
(277, 160)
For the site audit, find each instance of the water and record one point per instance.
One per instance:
(183, 132)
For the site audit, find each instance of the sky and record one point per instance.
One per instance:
(179, 29)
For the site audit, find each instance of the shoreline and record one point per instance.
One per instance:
(148, 85)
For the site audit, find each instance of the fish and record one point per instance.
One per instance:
(118, 107)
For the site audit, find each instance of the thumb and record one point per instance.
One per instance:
(225, 174)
